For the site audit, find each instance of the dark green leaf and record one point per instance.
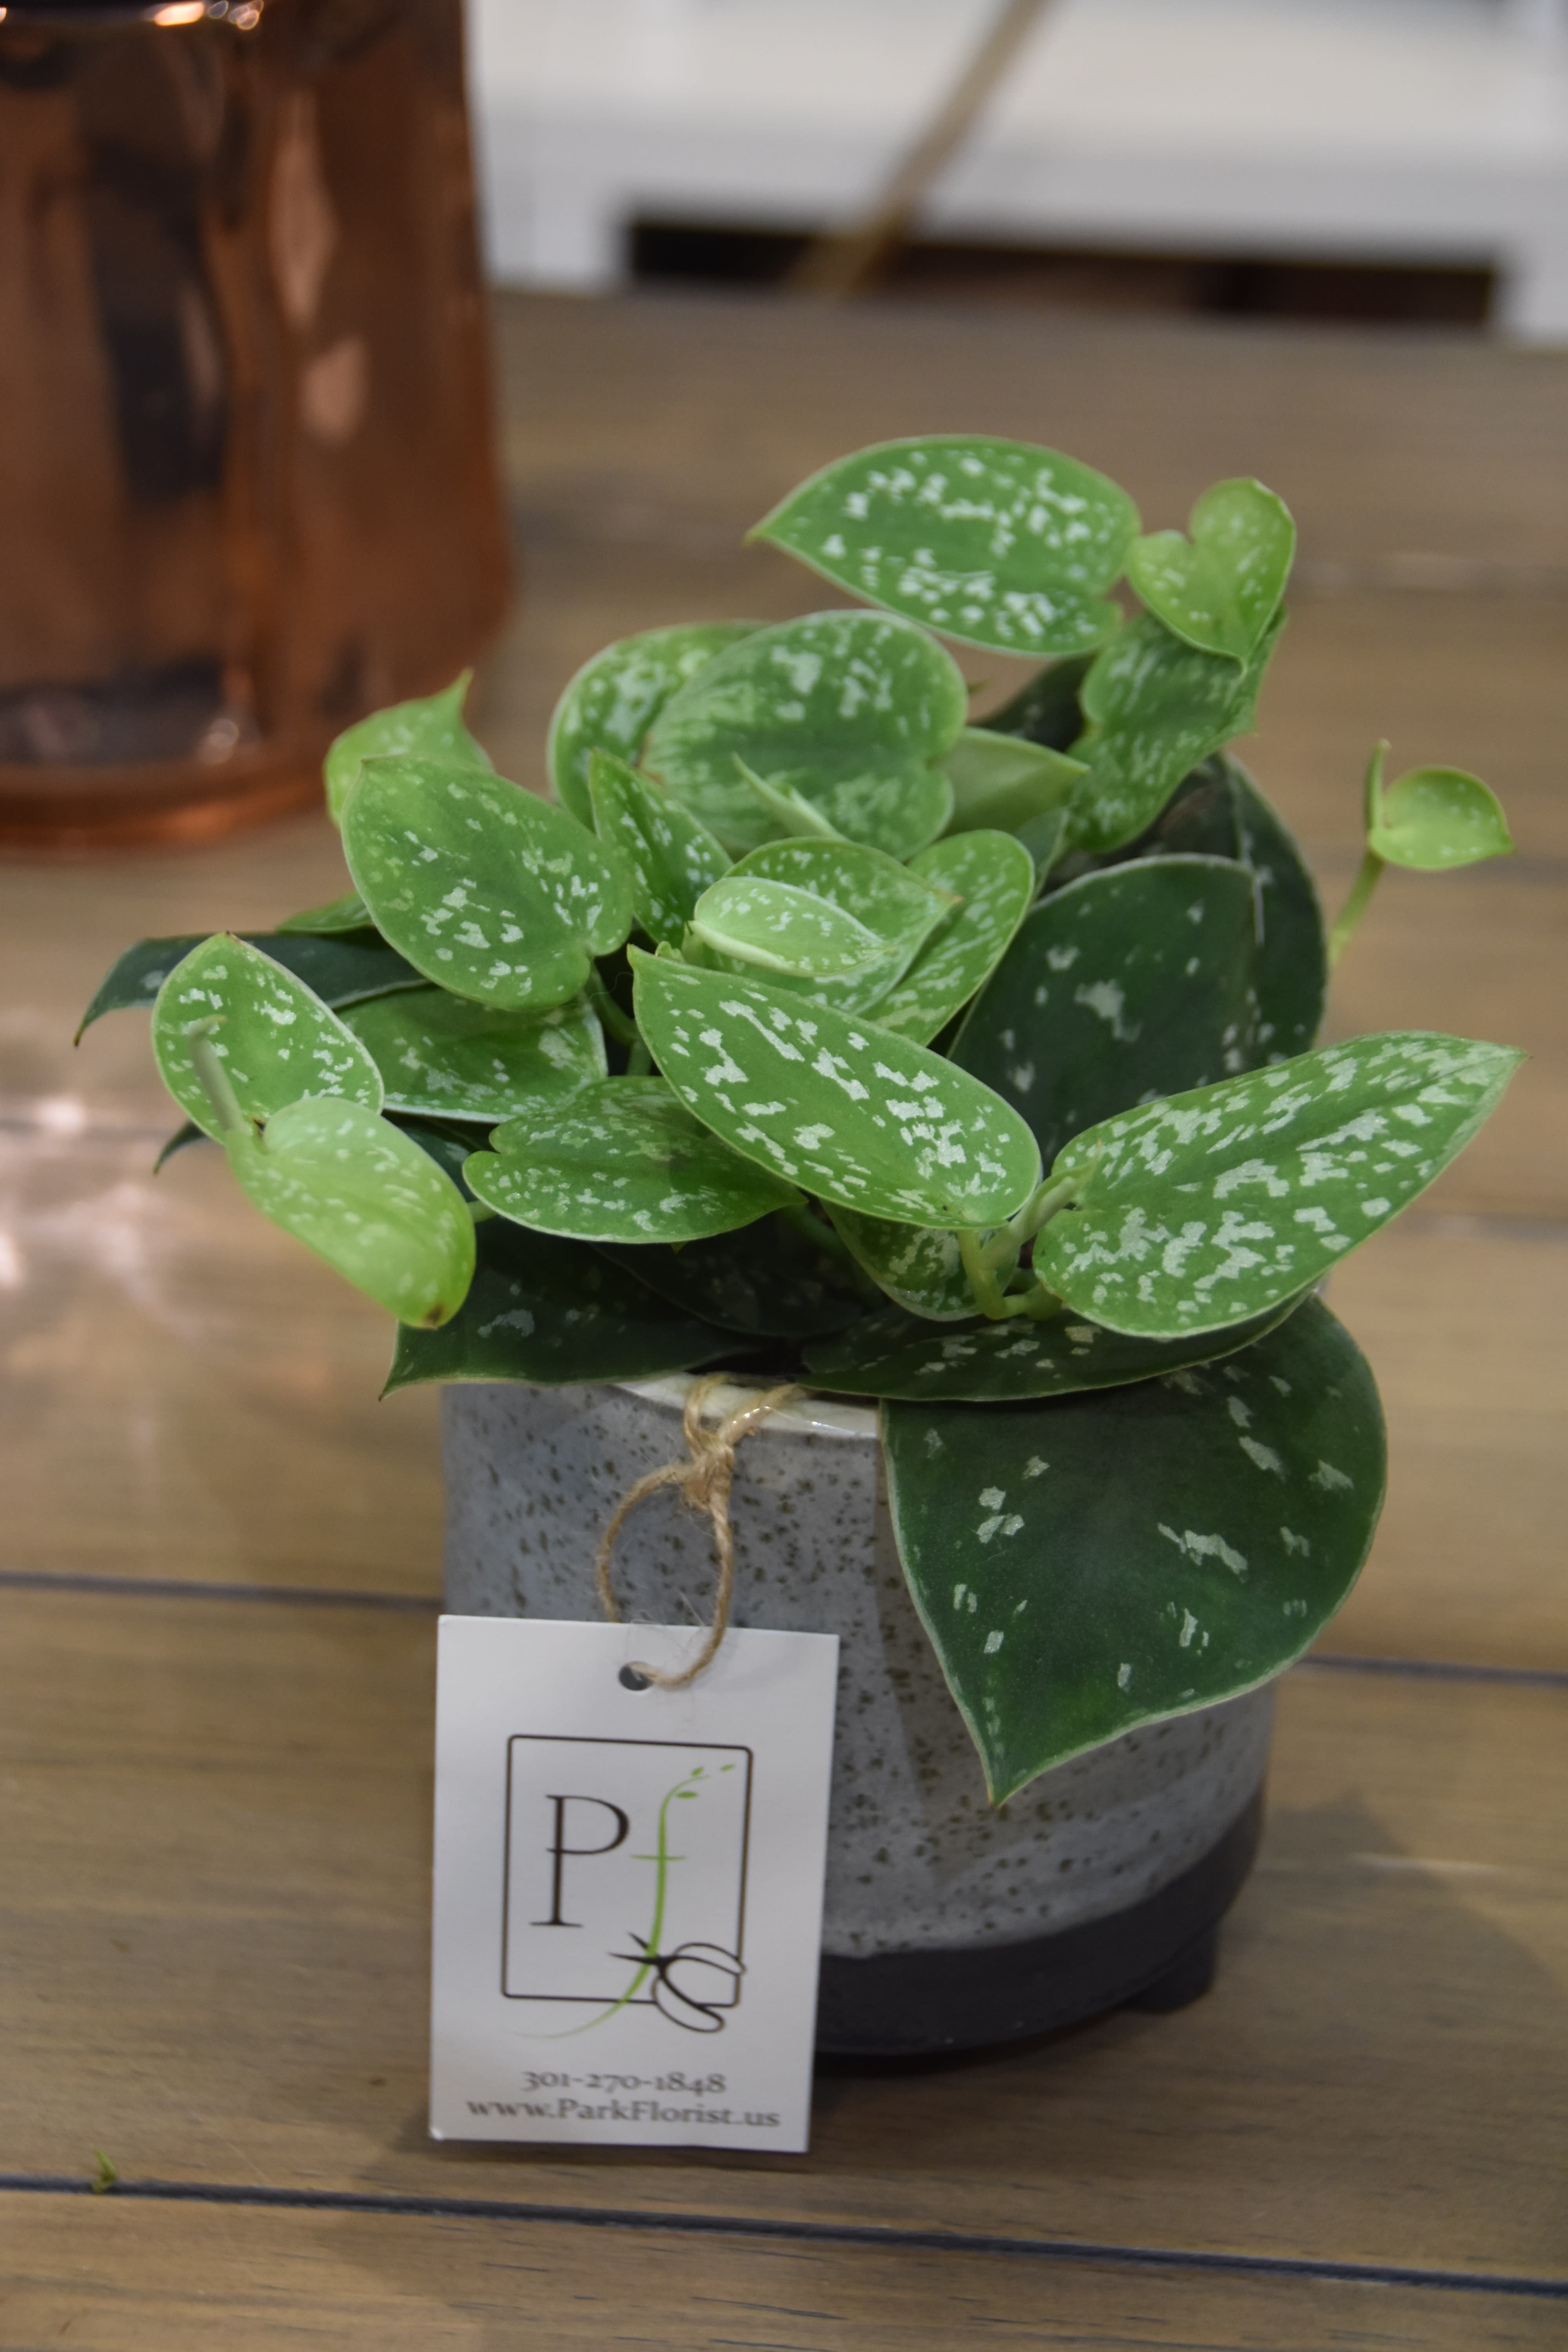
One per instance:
(1113, 1558)
(843, 1108)
(1211, 1207)
(670, 857)
(1128, 983)
(275, 1039)
(339, 971)
(614, 698)
(552, 1313)
(452, 1060)
(1220, 588)
(894, 1354)
(993, 877)
(431, 729)
(768, 1281)
(189, 1133)
(622, 1161)
(998, 543)
(1046, 710)
(490, 891)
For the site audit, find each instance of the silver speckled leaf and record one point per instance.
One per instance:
(277, 1041)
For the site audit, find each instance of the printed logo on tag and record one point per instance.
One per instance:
(628, 1884)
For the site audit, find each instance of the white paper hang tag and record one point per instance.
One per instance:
(628, 1884)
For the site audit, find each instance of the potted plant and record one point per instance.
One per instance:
(964, 1077)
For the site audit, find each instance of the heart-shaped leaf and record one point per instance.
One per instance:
(552, 1313)
(1000, 781)
(1111, 1558)
(431, 729)
(1220, 588)
(363, 1196)
(1128, 983)
(614, 698)
(780, 927)
(339, 915)
(890, 1353)
(998, 543)
(1214, 1206)
(852, 709)
(920, 1269)
(672, 858)
(275, 1041)
(491, 892)
(1156, 707)
(1435, 818)
(339, 971)
(993, 877)
(622, 1161)
(862, 1118)
(768, 1281)
(452, 1060)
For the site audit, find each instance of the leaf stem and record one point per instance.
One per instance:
(621, 1025)
(216, 1083)
(1349, 918)
(981, 1277)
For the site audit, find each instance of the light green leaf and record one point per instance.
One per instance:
(614, 698)
(890, 1353)
(1211, 1207)
(1128, 983)
(1435, 818)
(864, 1119)
(1000, 781)
(348, 913)
(1220, 588)
(431, 729)
(886, 898)
(920, 1269)
(339, 971)
(782, 928)
(448, 1058)
(277, 1041)
(552, 1313)
(998, 543)
(1113, 1558)
(852, 709)
(670, 857)
(486, 889)
(768, 1280)
(1156, 707)
(622, 1161)
(363, 1196)
(993, 877)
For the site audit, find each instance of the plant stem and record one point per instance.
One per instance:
(982, 1276)
(216, 1083)
(1355, 906)
(639, 1061)
(621, 1025)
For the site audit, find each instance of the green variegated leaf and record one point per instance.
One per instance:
(339, 915)
(431, 729)
(670, 857)
(339, 971)
(1098, 1562)
(1048, 710)
(1000, 781)
(622, 1161)
(1211, 1207)
(920, 1269)
(1434, 819)
(780, 927)
(486, 889)
(276, 1040)
(851, 710)
(895, 1354)
(1128, 983)
(998, 543)
(789, 812)
(1156, 707)
(887, 898)
(768, 1281)
(863, 1119)
(552, 1313)
(1220, 588)
(452, 1060)
(614, 698)
(993, 877)
(366, 1198)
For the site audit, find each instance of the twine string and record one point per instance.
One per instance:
(704, 1479)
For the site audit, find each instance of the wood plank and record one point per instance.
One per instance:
(111, 2276)
(217, 1914)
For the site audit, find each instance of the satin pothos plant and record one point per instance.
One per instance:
(814, 1029)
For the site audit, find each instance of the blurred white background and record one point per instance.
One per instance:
(1432, 132)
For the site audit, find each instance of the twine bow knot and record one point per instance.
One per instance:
(704, 1478)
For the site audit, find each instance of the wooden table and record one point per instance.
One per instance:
(220, 1555)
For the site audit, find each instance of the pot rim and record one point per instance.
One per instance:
(805, 1416)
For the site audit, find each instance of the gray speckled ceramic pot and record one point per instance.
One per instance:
(1104, 1877)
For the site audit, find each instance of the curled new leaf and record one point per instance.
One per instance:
(1434, 819)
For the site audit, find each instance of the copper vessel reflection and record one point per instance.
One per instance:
(247, 485)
